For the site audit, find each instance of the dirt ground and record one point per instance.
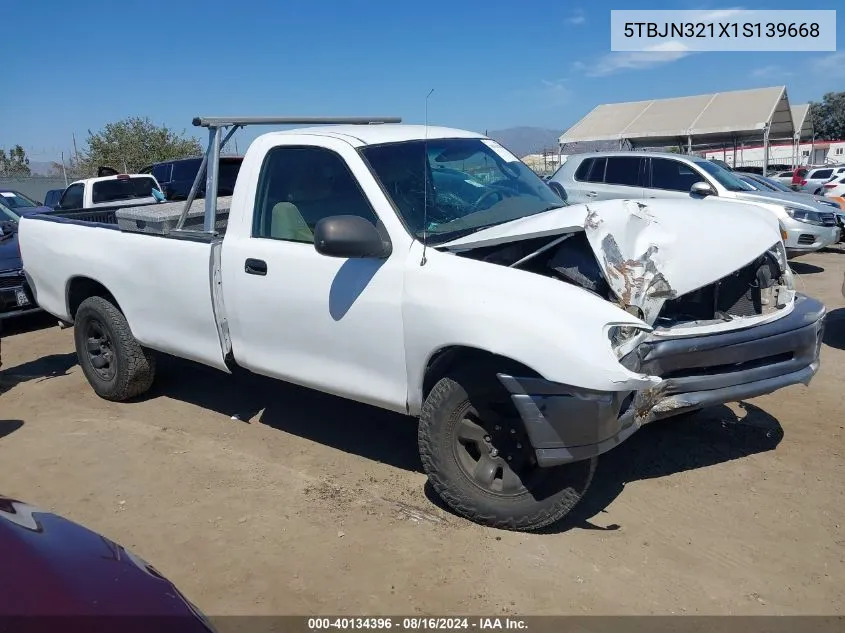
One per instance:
(256, 497)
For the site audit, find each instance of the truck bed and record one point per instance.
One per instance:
(152, 219)
(162, 284)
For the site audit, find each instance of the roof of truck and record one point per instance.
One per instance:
(359, 135)
(87, 181)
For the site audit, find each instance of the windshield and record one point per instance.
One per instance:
(724, 177)
(15, 200)
(122, 189)
(446, 188)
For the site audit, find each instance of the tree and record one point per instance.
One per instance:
(15, 163)
(130, 145)
(72, 168)
(828, 116)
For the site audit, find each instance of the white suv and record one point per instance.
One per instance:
(805, 226)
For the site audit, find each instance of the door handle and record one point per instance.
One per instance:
(255, 267)
(592, 194)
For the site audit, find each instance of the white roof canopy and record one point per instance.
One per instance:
(802, 121)
(722, 117)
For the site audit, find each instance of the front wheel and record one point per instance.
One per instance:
(480, 461)
(115, 364)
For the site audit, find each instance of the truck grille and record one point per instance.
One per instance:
(746, 292)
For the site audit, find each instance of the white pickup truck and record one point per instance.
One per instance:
(427, 271)
(109, 191)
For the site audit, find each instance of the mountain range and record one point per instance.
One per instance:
(534, 140)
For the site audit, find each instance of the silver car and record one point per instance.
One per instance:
(815, 179)
(763, 183)
(805, 225)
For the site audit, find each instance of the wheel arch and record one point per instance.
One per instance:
(448, 358)
(80, 288)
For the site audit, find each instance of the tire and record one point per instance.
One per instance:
(115, 364)
(547, 494)
(558, 189)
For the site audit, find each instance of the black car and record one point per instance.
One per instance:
(177, 176)
(16, 298)
(52, 197)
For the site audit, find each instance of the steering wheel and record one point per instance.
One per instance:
(487, 194)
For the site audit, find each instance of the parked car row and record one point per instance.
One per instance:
(173, 178)
(15, 295)
(806, 224)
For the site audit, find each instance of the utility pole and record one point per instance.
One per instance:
(64, 171)
(75, 151)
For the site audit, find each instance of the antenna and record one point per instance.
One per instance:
(425, 180)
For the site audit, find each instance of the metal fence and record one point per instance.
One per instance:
(32, 186)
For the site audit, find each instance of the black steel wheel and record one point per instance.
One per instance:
(480, 461)
(115, 364)
(99, 349)
(495, 454)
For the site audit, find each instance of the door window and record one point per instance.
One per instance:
(72, 198)
(162, 172)
(298, 187)
(623, 170)
(673, 175)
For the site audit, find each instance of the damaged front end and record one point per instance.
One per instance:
(718, 324)
(567, 423)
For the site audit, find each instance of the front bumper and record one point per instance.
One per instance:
(16, 297)
(567, 424)
(802, 237)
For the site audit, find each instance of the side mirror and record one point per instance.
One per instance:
(350, 236)
(701, 188)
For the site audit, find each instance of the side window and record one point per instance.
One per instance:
(298, 187)
(162, 172)
(184, 170)
(591, 170)
(673, 175)
(821, 173)
(597, 172)
(72, 198)
(623, 170)
(584, 169)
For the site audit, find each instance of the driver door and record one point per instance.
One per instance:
(328, 323)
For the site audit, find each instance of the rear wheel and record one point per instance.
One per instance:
(115, 364)
(480, 460)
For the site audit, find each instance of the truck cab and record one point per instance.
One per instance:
(109, 191)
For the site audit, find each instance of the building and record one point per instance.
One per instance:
(809, 153)
(544, 163)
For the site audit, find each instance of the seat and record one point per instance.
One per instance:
(287, 223)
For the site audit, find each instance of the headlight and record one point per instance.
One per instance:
(778, 251)
(623, 338)
(802, 215)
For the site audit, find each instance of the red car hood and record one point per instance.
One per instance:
(54, 567)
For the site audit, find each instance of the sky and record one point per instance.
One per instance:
(76, 65)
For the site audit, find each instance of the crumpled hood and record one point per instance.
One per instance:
(651, 252)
